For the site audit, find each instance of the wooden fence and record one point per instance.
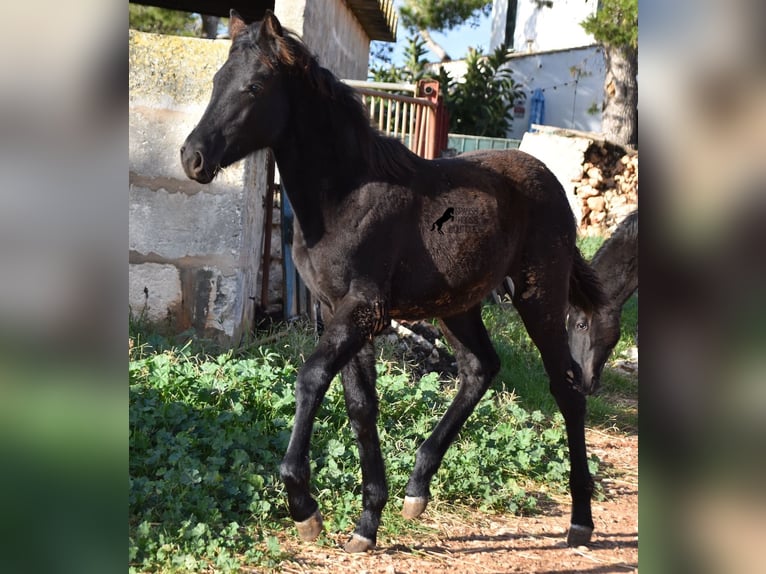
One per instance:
(413, 113)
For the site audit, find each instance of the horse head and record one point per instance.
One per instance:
(591, 340)
(248, 110)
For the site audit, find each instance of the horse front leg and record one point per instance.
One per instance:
(546, 329)
(345, 334)
(362, 405)
(310, 387)
(571, 403)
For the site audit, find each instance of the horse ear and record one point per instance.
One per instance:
(270, 26)
(236, 24)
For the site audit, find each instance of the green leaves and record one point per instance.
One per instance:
(481, 103)
(441, 15)
(207, 434)
(414, 67)
(205, 440)
(161, 20)
(615, 23)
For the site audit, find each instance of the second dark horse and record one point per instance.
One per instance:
(364, 205)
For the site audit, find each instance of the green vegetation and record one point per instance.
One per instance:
(162, 20)
(615, 26)
(414, 68)
(426, 16)
(207, 433)
(481, 103)
(615, 23)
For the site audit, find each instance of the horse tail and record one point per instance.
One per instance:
(585, 290)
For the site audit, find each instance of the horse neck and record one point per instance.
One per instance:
(319, 159)
(617, 268)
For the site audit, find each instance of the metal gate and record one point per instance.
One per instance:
(413, 113)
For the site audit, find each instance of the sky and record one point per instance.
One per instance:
(456, 42)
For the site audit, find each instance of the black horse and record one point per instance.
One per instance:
(593, 336)
(364, 205)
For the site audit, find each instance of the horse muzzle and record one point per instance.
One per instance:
(196, 166)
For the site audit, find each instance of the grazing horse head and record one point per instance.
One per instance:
(591, 340)
(248, 108)
(592, 336)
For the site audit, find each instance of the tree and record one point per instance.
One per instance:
(440, 15)
(481, 103)
(161, 20)
(615, 26)
(414, 68)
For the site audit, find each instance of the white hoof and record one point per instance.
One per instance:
(414, 506)
(310, 528)
(358, 544)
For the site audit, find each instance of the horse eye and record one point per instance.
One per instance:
(581, 326)
(254, 88)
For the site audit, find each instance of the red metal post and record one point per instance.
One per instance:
(438, 124)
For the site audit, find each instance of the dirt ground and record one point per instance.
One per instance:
(481, 543)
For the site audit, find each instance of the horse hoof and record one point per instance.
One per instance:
(579, 535)
(414, 506)
(310, 528)
(358, 544)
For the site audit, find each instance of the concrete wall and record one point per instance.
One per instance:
(568, 104)
(194, 250)
(332, 32)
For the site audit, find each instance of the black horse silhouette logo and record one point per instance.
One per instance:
(449, 213)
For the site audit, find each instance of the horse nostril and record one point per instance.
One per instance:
(197, 162)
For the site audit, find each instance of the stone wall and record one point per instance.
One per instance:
(599, 177)
(332, 32)
(194, 250)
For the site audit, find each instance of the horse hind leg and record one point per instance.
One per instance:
(541, 300)
(478, 364)
(358, 378)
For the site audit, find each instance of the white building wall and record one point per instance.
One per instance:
(499, 16)
(541, 28)
(572, 82)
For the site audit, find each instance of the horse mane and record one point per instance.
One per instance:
(384, 157)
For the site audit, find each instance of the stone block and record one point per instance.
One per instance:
(175, 225)
(154, 291)
(155, 140)
(172, 72)
(564, 155)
